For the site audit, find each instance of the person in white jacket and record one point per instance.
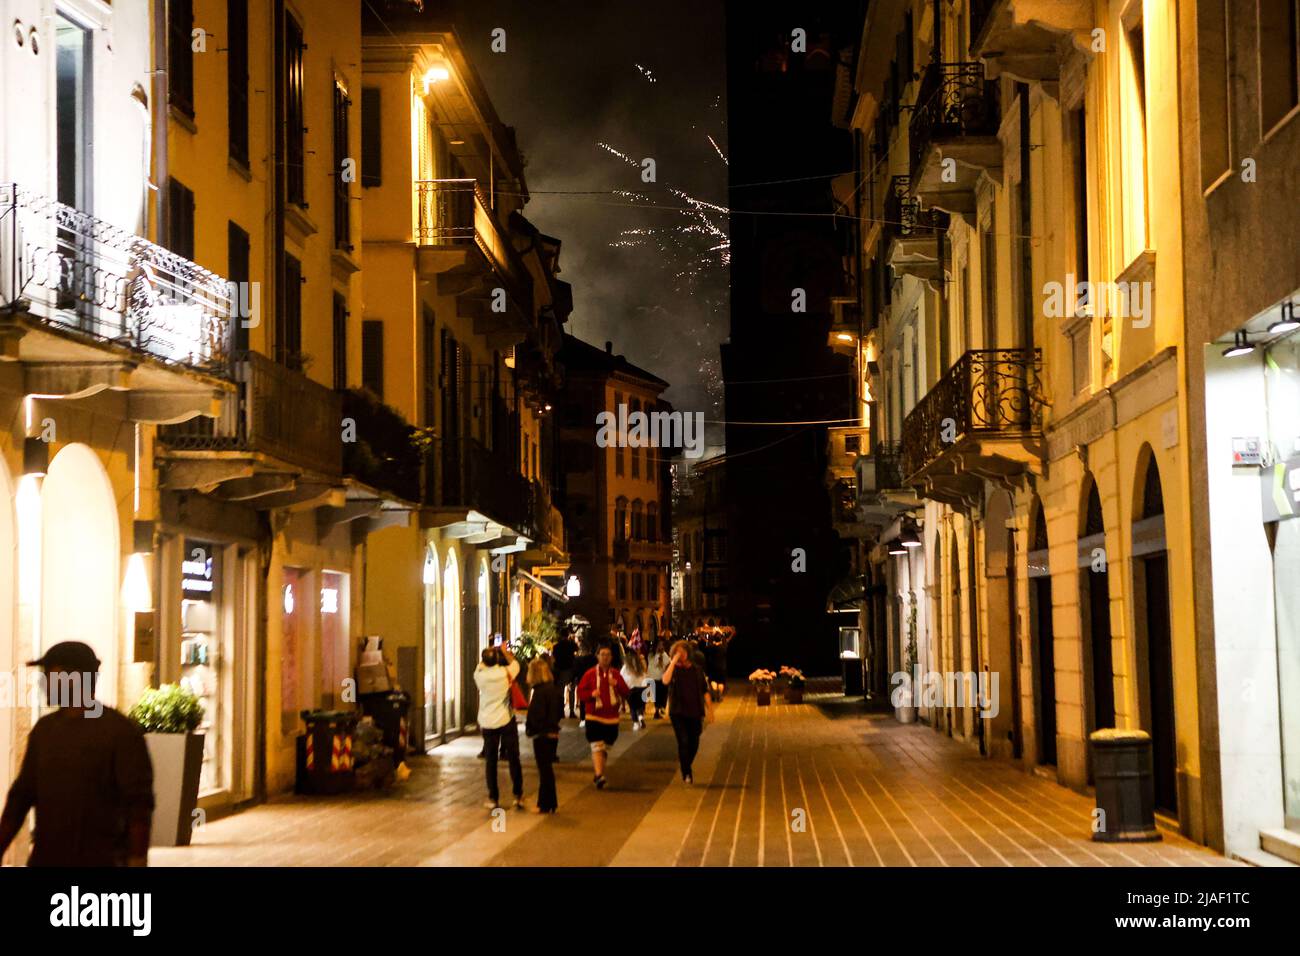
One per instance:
(496, 720)
(655, 667)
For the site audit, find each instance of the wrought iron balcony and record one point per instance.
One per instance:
(384, 454)
(81, 274)
(466, 249)
(879, 470)
(987, 397)
(956, 113)
(904, 217)
(462, 475)
(276, 412)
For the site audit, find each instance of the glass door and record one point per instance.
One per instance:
(203, 665)
(451, 644)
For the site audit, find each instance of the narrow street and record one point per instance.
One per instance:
(817, 784)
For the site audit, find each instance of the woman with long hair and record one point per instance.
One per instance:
(545, 709)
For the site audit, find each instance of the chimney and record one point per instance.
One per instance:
(609, 348)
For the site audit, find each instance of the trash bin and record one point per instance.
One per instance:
(1123, 772)
(325, 752)
(391, 712)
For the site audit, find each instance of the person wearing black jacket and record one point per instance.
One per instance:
(545, 710)
(564, 654)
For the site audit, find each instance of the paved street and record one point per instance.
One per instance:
(816, 784)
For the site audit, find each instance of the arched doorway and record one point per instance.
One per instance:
(451, 637)
(1044, 638)
(1151, 585)
(1094, 606)
(432, 643)
(79, 560)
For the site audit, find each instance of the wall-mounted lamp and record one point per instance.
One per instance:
(435, 74)
(1240, 346)
(573, 587)
(1288, 322)
(908, 537)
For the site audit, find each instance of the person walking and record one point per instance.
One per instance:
(603, 690)
(563, 657)
(584, 662)
(86, 772)
(545, 710)
(718, 666)
(689, 706)
(634, 675)
(496, 719)
(655, 667)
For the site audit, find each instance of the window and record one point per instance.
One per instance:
(180, 219)
(1080, 356)
(620, 585)
(372, 356)
(1134, 142)
(1080, 163)
(237, 79)
(1212, 44)
(372, 155)
(652, 521)
(652, 585)
(620, 519)
(989, 289)
(294, 119)
(340, 342)
(180, 55)
(1279, 72)
(288, 340)
(638, 586)
(638, 520)
(429, 350)
(636, 450)
(237, 271)
(342, 210)
(73, 116)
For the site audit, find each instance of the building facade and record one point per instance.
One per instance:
(617, 492)
(700, 547)
(1022, 361)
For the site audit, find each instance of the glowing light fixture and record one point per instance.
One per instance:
(908, 537)
(896, 547)
(1240, 346)
(288, 599)
(573, 587)
(435, 74)
(430, 575)
(844, 337)
(136, 593)
(1288, 322)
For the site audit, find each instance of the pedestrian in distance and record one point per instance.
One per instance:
(689, 706)
(584, 662)
(545, 709)
(655, 667)
(603, 690)
(496, 720)
(635, 676)
(86, 772)
(563, 657)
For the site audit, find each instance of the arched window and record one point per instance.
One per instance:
(638, 520)
(636, 449)
(620, 519)
(652, 521)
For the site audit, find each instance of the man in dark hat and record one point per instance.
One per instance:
(86, 772)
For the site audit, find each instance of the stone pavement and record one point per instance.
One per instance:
(816, 784)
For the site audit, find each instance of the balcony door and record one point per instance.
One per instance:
(73, 168)
(1094, 606)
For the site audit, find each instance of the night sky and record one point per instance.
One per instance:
(572, 78)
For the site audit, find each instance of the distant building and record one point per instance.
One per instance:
(700, 546)
(617, 496)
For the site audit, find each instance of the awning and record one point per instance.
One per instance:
(546, 588)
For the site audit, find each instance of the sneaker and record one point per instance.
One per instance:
(689, 780)
(582, 723)
(519, 803)
(491, 805)
(600, 782)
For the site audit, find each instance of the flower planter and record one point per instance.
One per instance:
(177, 760)
(763, 695)
(794, 695)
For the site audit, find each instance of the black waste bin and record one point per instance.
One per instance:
(391, 711)
(325, 752)
(1126, 795)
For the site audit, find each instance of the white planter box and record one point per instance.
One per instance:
(177, 760)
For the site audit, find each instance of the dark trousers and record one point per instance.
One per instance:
(503, 741)
(544, 752)
(687, 730)
(636, 702)
(661, 697)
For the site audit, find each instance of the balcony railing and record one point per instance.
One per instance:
(275, 411)
(462, 473)
(384, 454)
(650, 551)
(70, 269)
(880, 469)
(452, 212)
(988, 394)
(904, 217)
(954, 100)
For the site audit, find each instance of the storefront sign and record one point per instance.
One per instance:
(196, 574)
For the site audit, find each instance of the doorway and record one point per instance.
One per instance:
(1151, 567)
(1044, 641)
(1094, 585)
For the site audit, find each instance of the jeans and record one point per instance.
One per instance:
(544, 751)
(503, 741)
(687, 730)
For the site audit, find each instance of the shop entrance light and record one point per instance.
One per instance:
(1240, 346)
(896, 547)
(1288, 322)
(908, 537)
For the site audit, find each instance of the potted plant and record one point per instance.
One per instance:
(905, 703)
(762, 681)
(169, 715)
(794, 687)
